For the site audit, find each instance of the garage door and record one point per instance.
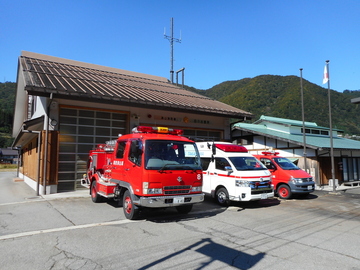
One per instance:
(80, 131)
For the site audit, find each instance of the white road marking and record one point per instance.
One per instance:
(18, 235)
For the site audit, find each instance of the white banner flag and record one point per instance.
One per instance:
(326, 75)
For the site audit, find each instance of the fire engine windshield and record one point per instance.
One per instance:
(247, 163)
(171, 155)
(285, 163)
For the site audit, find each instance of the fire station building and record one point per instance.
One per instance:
(63, 108)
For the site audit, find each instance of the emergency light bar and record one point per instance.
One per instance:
(231, 148)
(269, 153)
(162, 130)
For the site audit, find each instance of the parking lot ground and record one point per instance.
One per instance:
(69, 231)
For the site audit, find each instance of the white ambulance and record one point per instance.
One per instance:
(230, 173)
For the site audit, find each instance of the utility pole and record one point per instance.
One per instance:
(172, 39)
(327, 79)
(303, 118)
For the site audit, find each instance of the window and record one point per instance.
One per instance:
(221, 163)
(205, 162)
(135, 152)
(121, 149)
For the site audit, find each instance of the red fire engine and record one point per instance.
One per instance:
(152, 167)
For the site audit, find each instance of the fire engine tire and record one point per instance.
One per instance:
(222, 197)
(131, 211)
(96, 198)
(184, 209)
(284, 192)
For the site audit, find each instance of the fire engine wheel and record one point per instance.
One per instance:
(222, 197)
(284, 192)
(96, 198)
(131, 211)
(184, 209)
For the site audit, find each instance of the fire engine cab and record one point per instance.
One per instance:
(230, 173)
(288, 179)
(152, 167)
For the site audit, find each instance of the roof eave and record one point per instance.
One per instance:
(279, 138)
(45, 92)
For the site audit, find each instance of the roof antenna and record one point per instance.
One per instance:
(172, 39)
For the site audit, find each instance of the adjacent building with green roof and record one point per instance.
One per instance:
(286, 137)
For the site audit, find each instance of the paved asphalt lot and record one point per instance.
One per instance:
(68, 231)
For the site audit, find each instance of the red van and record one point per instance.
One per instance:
(287, 178)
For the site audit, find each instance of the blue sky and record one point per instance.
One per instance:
(221, 40)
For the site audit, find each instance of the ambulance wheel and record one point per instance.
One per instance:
(284, 192)
(184, 209)
(222, 197)
(131, 211)
(96, 198)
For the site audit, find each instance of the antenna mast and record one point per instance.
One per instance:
(172, 39)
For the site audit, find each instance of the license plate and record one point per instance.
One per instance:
(178, 200)
(264, 196)
(309, 187)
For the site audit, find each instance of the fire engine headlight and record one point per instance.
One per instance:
(154, 191)
(296, 180)
(242, 183)
(147, 190)
(196, 189)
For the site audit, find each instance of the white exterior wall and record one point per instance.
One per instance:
(20, 112)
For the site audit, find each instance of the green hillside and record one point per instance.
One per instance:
(280, 96)
(7, 103)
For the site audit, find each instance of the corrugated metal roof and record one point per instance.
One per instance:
(284, 121)
(67, 78)
(312, 141)
(289, 122)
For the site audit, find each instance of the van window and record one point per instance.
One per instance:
(246, 163)
(268, 163)
(221, 163)
(285, 163)
(205, 163)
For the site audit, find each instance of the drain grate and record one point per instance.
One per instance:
(33, 198)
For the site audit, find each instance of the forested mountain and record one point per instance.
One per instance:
(280, 96)
(7, 101)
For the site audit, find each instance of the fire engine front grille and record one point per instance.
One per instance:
(170, 190)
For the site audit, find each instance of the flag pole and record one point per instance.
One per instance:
(331, 131)
(303, 119)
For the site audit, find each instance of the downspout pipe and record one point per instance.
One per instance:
(47, 118)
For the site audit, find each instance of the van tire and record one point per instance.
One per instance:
(222, 197)
(284, 192)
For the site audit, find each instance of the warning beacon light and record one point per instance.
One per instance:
(231, 148)
(161, 130)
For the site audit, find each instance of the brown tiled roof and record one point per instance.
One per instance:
(77, 80)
